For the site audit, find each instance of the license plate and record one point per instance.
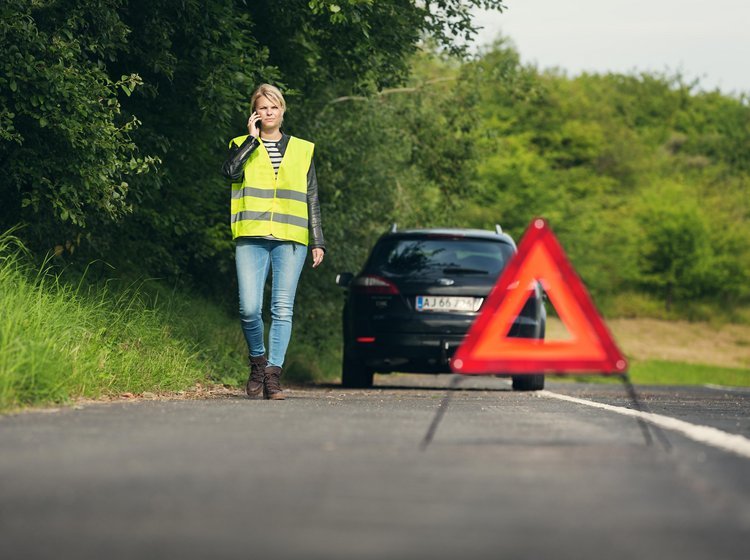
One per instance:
(448, 303)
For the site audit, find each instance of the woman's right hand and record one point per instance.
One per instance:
(252, 126)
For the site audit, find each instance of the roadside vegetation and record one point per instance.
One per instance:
(662, 372)
(114, 121)
(678, 352)
(645, 178)
(60, 340)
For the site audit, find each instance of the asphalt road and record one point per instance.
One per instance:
(333, 473)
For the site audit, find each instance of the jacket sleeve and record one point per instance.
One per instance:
(313, 210)
(233, 166)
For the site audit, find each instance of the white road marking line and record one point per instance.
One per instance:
(702, 434)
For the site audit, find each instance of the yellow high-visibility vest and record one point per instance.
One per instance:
(265, 203)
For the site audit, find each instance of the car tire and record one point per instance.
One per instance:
(354, 374)
(533, 382)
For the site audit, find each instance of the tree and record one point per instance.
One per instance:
(123, 107)
(65, 146)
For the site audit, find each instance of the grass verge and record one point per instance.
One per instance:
(60, 341)
(659, 372)
(663, 372)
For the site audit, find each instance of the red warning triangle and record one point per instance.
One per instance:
(487, 347)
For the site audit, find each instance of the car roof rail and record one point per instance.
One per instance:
(394, 227)
(498, 229)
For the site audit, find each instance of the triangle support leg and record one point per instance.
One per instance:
(455, 382)
(641, 407)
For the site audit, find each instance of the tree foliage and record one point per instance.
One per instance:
(65, 145)
(116, 113)
(644, 177)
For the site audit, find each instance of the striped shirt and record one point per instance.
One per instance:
(273, 151)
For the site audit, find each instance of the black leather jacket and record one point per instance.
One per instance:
(233, 169)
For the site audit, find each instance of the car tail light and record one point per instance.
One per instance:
(365, 339)
(374, 285)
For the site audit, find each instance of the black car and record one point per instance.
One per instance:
(412, 304)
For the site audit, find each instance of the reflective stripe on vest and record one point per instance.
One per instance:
(268, 204)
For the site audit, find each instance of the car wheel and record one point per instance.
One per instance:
(533, 382)
(354, 374)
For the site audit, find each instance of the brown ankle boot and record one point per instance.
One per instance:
(256, 381)
(272, 384)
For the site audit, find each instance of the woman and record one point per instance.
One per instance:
(275, 215)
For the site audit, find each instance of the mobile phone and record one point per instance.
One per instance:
(257, 123)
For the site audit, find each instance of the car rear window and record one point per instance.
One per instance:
(440, 256)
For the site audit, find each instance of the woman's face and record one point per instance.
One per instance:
(270, 113)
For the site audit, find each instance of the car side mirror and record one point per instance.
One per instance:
(540, 292)
(343, 279)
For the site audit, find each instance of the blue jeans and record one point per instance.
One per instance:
(254, 256)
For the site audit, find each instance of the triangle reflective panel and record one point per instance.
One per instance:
(488, 349)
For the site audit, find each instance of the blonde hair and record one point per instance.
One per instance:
(272, 93)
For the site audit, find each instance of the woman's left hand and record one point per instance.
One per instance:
(317, 255)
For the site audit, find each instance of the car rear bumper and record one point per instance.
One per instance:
(408, 352)
(420, 352)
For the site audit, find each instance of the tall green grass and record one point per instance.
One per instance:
(59, 341)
